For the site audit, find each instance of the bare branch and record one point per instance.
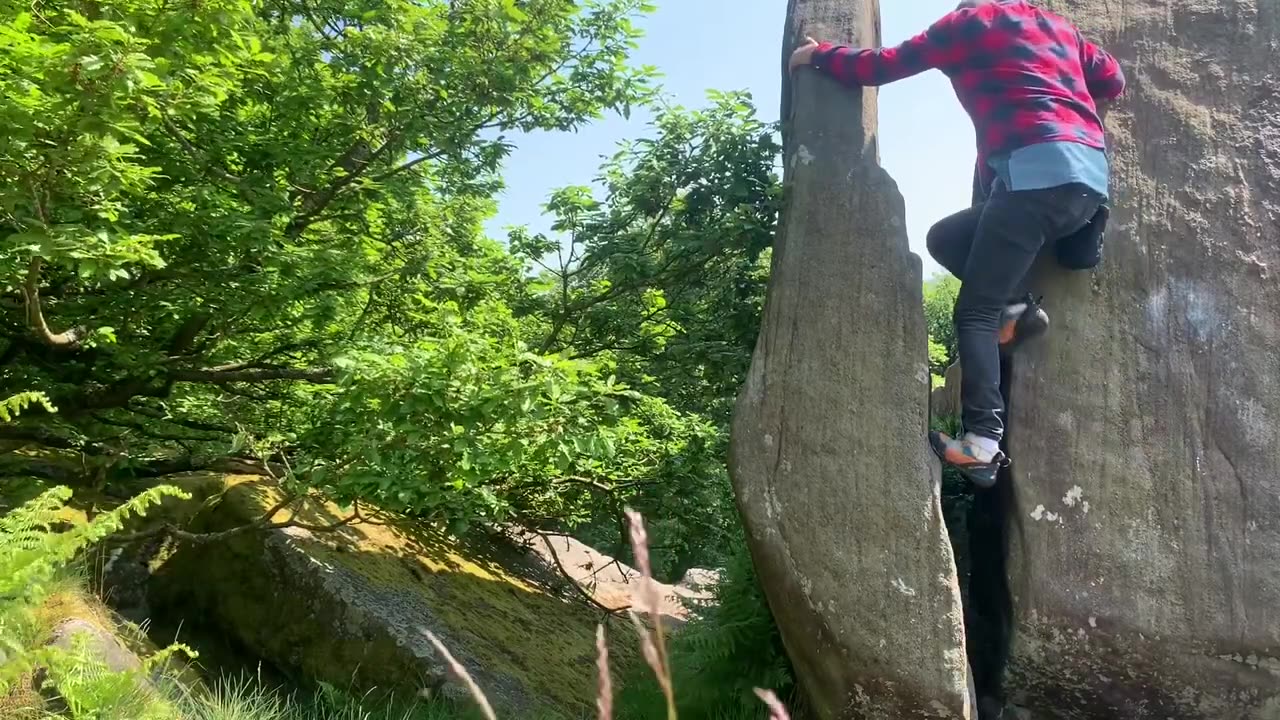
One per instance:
(69, 339)
(184, 422)
(263, 523)
(46, 437)
(555, 558)
(230, 374)
(156, 434)
(353, 163)
(407, 166)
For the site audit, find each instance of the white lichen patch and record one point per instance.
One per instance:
(903, 588)
(1043, 514)
(803, 155)
(1073, 496)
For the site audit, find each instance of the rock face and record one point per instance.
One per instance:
(944, 402)
(101, 644)
(1145, 428)
(829, 461)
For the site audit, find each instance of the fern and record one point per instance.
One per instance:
(91, 690)
(13, 406)
(32, 554)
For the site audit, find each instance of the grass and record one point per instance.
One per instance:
(247, 699)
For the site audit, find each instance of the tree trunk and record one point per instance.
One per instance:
(833, 477)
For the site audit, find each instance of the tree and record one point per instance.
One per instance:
(667, 272)
(663, 276)
(213, 207)
(940, 292)
(255, 229)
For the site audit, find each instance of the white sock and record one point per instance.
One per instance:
(986, 447)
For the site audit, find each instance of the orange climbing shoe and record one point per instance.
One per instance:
(969, 459)
(1021, 322)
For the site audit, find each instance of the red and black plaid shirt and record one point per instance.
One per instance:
(1024, 75)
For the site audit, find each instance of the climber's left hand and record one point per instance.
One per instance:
(803, 55)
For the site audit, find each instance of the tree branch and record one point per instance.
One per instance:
(182, 422)
(353, 163)
(155, 434)
(264, 523)
(46, 437)
(228, 374)
(67, 340)
(195, 154)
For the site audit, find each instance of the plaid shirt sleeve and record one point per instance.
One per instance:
(1101, 71)
(936, 47)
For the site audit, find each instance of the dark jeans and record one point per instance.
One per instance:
(990, 247)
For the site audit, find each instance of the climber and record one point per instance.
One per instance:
(1031, 84)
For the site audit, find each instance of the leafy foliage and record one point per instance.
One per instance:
(667, 272)
(215, 195)
(940, 294)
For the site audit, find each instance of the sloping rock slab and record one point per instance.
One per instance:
(352, 607)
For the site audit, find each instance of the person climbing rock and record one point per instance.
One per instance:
(1031, 84)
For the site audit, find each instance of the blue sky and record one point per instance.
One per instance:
(926, 140)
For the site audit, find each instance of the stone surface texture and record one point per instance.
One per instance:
(1145, 428)
(835, 483)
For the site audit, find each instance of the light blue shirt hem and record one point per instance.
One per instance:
(1051, 164)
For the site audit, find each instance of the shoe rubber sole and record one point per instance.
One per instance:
(982, 475)
(1033, 323)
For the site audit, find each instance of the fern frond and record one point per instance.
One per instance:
(14, 405)
(32, 554)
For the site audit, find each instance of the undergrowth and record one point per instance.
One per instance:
(731, 647)
(246, 699)
(719, 661)
(37, 564)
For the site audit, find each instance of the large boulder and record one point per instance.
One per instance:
(833, 478)
(352, 606)
(1144, 429)
(607, 582)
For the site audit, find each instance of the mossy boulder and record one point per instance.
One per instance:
(78, 623)
(352, 607)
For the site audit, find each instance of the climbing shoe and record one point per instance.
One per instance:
(1021, 322)
(969, 459)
